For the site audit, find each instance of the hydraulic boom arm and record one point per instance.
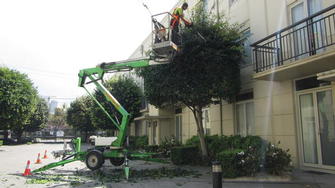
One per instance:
(95, 75)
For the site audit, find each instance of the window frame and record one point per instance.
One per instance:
(206, 126)
(246, 126)
(179, 137)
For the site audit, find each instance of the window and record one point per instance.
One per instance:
(231, 2)
(137, 128)
(245, 118)
(205, 121)
(247, 48)
(154, 133)
(205, 5)
(178, 127)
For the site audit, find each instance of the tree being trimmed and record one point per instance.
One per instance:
(203, 71)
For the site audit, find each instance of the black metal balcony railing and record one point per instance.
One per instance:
(307, 37)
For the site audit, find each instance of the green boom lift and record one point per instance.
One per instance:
(163, 50)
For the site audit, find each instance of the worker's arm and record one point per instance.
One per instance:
(179, 12)
(188, 23)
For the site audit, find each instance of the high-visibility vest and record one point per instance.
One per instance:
(177, 13)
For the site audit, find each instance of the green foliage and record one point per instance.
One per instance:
(1, 142)
(138, 142)
(58, 119)
(182, 155)
(39, 118)
(78, 115)
(277, 160)
(216, 143)
(238, 162)
(229, 162)
(201, 72)
(164, 148)
(18, 100)
(242, 156)
(126, 91)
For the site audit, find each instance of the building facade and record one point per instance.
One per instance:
(288, 88)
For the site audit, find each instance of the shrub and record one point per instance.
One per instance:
(138, 142)
(151, 148)
(277, 161)
(193, 141)
(216, 143)
(1, 142)
(252, 141)
(167, 145)
(229, 162)
(237, 162)
(249, 162)
(182, 155)
(235, 142)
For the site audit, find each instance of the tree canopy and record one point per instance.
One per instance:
(58, 119)
(39, 117)
(78, 115)
(126, 91)
(203, 71)
(18, 99)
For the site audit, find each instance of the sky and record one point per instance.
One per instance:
(51, 40)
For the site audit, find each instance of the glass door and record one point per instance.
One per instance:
(308, 128)
(317, 128)
(178, 127)
(326, 126)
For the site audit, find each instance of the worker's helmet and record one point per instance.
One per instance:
(185, 5)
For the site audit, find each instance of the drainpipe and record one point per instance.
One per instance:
(221, 123)
(218, 14)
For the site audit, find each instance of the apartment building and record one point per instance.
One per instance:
(288, 82)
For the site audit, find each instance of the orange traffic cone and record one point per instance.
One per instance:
(45, 155)
(38, 161)
(27, 171)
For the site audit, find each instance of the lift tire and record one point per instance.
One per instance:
(116, 161)
(94, 160)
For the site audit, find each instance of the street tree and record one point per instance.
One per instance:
(57, 120)
(78, 115)
(205, 70)
(39, 117)
(126, 91)
(18, 99)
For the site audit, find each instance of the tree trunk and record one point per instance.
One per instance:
(18, 134)
(197, 112)
(86, 134)
(6, 134)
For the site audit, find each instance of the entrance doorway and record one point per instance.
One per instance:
(317, 125)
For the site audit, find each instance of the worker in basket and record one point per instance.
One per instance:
(177, 15)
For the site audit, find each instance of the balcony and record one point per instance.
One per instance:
(302, 49)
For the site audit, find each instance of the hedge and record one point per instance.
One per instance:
(183, 155)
